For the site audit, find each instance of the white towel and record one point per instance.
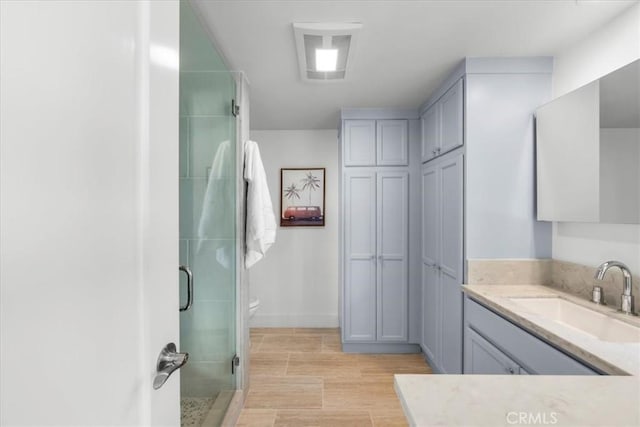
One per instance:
(261, 222)
(218, 207)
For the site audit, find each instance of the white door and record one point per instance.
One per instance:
(89, 211)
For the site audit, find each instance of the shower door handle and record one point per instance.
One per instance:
(169, 361)
(189, 303)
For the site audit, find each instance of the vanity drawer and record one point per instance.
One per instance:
(534, 355)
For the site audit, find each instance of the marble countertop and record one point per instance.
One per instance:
(609, 357)
(507, 400)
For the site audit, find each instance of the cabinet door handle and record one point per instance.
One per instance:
(434, 266)
(189, 303)
(511, 370)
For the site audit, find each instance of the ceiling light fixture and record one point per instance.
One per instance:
(326, 59)
(325, 50)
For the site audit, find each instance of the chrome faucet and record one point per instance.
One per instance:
(626, 299)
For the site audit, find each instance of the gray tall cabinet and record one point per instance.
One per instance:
(442, 261)
(477, 187)
(423, 190)
(379, 192)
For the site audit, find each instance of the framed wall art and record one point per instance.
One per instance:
(302, 196)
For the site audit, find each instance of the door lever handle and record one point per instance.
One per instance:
(169, 361)
(189, 274)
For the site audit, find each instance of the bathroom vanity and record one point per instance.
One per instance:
(531, 354)
(518, 329)
(532, 329)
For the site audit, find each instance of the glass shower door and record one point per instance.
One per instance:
(207, 226)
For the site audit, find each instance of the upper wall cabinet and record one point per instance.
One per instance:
(391, 143)
(375, 143)
(451, 122)
(430, 132)
(442, 123)
(588, 152)
(359, 142)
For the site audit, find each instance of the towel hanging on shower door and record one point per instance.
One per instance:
(261, 222)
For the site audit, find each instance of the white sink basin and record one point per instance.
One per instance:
(575, 316)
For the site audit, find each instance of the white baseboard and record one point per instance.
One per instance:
(294, 321)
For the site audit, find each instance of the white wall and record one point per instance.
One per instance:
(608, 48)
(297, 281)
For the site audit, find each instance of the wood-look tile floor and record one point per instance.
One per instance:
(301, 377)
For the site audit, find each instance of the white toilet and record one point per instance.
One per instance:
(253, 307)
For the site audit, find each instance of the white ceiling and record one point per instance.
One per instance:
(405, 49)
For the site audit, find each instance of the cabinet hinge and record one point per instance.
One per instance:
(235, 362)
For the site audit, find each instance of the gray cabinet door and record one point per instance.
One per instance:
(392, 143)
(451, 122)
(482, 357)
(450, 204)
(530, 352)
(360, 253)
(392, 245)
(451, 261)
(430, 260)
(430, 132)
(359, 142)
